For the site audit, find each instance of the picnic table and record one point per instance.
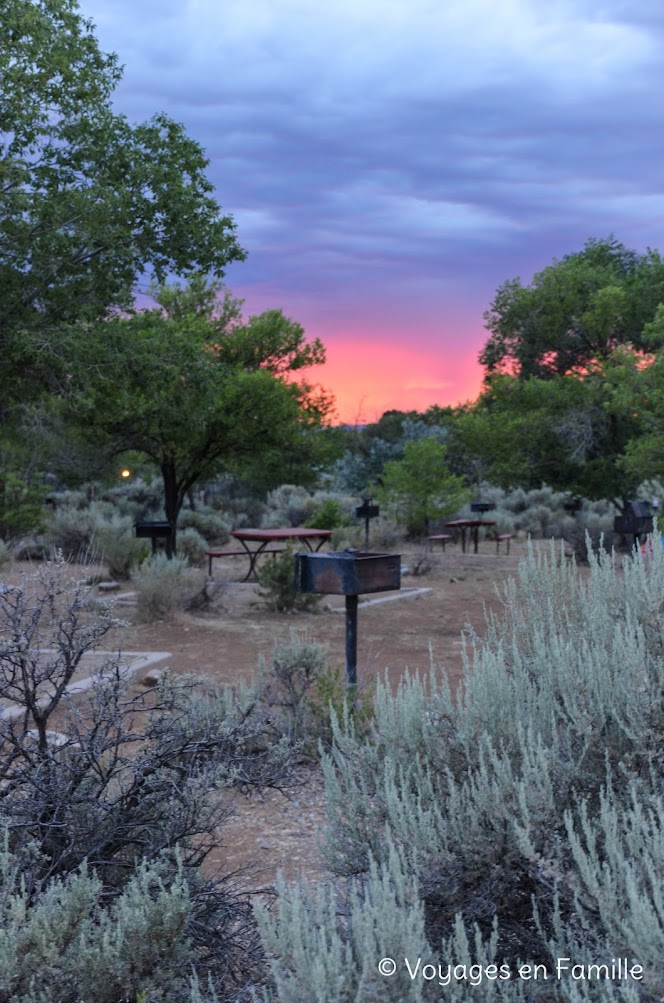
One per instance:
(473, 527)
(264, 537)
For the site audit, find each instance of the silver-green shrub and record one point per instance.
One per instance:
(70, 943)
(288, 505)
(209, 524)
(192, 546)
(115, 542)
(530, 803)
(289, 681)
(72, 530)
(164, 586)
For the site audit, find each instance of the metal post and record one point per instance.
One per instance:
(351, 641)
(366, 534)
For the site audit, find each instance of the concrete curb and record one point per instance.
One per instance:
(139, 660)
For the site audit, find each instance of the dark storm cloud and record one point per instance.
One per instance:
(415, 144)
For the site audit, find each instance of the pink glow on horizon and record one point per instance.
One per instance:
(368, 377)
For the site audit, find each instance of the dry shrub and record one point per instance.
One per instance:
(165, 586)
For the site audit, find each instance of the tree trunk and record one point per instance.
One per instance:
(172, 502)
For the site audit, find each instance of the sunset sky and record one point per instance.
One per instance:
(390, 163)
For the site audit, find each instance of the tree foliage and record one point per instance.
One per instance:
(177, 387)
(575, 312)
(420, 487)
(565, 431)
(571, 392)
(88, 200)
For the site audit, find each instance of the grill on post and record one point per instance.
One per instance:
(351, 574)
(573, 505)
(156, 531)
(480, 506)
(637, 520)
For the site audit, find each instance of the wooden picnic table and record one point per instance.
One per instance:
(473, 526)
(264, 537)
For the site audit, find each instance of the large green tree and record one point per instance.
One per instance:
(567, 363)
(570, 432)
(193, 387)
(574, 313)
(639, 387)
(88, 200)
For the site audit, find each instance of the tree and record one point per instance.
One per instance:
(187, 387)
(88, 201)
(565, 431)
(371, 447)
(639, 388)
(420, 487)
(575, 313)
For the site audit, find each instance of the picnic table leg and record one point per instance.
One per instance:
(476, 533)
(253, 557)
(463, 539)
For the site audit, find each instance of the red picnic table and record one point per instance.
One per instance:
(264, 537)
(473, 525)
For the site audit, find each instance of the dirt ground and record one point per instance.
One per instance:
(275, 831)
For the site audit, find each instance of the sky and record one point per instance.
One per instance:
(389, 164)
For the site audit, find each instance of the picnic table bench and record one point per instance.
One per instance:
(443, 538)
(503, 538)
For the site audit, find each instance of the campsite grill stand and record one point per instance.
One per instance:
(159, 530)
(480, 506)
(637, 519)
(348, 573)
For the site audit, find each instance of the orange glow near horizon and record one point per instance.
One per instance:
(370, 377)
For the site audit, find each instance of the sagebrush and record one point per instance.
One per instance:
(523, 816)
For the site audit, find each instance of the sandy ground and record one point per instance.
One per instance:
(226, 642)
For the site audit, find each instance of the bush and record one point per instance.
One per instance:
(288, 505)
(384, 534)
(73, 531)
(192, 546)
(5, 554)
(138, 498)
(524, 818)
(118, 547)
(347, 538)
(289, 680)
(589, 532)
(165, 586)
(107, 821)
(328, 514)
(276, 577)
(307, 693)
(208, 524)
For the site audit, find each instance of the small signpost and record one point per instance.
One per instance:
(349, 573)
(367, 511)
